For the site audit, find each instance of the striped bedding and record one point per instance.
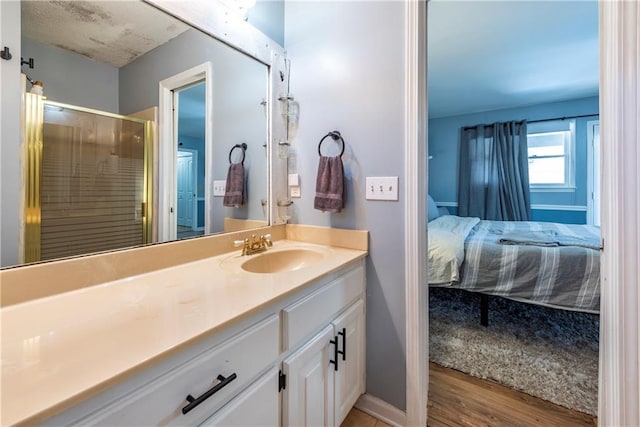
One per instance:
(558, 275)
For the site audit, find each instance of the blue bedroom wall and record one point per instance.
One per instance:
(444, 141)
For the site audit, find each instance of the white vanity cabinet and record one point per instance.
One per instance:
(325, 376)
(350, 372)
(189, 390)
(314, 336)
(258, 406)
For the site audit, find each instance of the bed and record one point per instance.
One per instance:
(550, 264)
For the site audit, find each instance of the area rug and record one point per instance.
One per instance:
(548, 353)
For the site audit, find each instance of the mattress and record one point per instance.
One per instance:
(556, 265)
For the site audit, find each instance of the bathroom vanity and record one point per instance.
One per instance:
(207, 342)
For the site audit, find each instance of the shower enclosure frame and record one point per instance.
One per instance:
(33, 140)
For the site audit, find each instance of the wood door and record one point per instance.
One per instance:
(186, 192)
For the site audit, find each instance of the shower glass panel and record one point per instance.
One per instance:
(93, 185)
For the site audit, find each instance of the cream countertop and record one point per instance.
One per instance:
(59, 350)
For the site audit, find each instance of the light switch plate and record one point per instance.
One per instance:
(382, 188)
(219, 188)
(294, 180)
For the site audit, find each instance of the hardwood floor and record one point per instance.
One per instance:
(357, 418)
(458, 399)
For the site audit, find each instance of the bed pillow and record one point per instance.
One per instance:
(433, 212)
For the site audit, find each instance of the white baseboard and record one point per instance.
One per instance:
(381, 410)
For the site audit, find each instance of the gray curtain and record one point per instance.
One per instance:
(493, 181)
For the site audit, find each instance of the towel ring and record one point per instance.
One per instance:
(335, 135)
(244, 149)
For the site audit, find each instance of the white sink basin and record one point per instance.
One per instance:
(281, 261)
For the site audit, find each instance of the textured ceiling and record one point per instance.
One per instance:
(487, 55)
(111, 32)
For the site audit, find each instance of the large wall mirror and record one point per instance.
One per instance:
(138, 129)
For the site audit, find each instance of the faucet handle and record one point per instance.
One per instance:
(267, 239)
(238, 243)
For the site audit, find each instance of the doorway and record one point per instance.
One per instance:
(447, 115)
(185, 127)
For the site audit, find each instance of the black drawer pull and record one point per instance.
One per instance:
(334, 341)
(193, 402)
(343, 333)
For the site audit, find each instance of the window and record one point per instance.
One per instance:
(551, 159)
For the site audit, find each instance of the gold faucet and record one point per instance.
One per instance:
(254, 244)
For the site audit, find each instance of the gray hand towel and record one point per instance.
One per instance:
(329, 185)
(234, 191)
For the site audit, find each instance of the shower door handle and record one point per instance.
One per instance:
(143, 209)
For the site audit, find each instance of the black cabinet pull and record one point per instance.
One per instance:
(334, 341)
(343, 333)
(193, 401)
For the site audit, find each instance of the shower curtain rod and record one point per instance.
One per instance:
(546, 120)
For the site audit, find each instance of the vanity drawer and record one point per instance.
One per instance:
(256, 406)
(161, 401)
(310, 314)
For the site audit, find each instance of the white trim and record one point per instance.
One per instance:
(574, 208)
(168, 147)
(619, 385)
(591, 124)
(415, 227)
(557, 189)
(535, 207)
(447, 204)
(381, 410)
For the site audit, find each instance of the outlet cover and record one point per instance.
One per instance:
(295, 191)
(219, 188)
(381, 188)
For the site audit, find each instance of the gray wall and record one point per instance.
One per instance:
(348, 74)
(268, 17)
(71, 78)
(10, 189)
(239, 86)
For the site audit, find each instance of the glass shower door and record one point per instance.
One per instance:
(93, 183)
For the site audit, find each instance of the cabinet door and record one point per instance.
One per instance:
(349, 378)
(308, 396)
(256, 406)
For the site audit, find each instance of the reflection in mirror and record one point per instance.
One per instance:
(189, 106)
(99, 65)
(85, 177)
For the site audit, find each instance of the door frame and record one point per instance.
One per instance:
(415, 226)
(168, 147)
(591, 170)
(194, 169)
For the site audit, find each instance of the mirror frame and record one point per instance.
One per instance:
(227, 26)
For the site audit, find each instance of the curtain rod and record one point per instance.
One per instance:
(546, 120)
